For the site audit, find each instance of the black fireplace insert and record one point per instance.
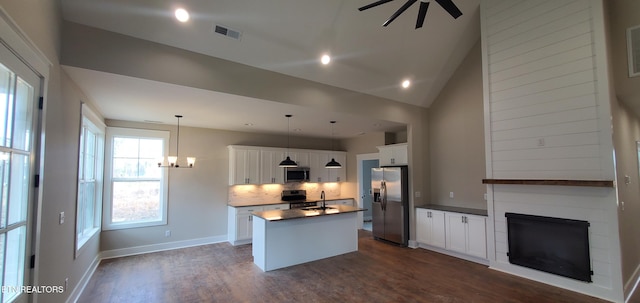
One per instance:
(554, 245)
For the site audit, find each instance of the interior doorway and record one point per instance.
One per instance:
(19, 93)
(365, 163)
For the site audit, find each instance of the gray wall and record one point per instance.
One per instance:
(626, 131)
(91, 48)
(197, 197)
(456, 138)
(626, 134)
(40, 21)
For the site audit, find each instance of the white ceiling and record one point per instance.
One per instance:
(288, 37)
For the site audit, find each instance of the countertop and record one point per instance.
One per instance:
(299, 213)
(462, 210)
(241, 204)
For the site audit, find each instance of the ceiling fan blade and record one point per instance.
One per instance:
(399, 12)
(450, 7)
(424, 6)
(374, 4)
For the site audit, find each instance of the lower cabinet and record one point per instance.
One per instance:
(240, 222)
(340, 202)
(456, 232)
(466, 234)
(430, 227)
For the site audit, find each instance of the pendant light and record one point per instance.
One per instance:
(173, 160)
(333, 163)
(288, 162)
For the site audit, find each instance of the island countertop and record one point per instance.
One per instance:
(299, 213)
(245, 204)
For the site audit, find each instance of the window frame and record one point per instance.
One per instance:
(91, 122)
(120, 132)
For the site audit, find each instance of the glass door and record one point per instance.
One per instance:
(19, 90)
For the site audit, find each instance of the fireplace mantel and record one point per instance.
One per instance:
(587, 183)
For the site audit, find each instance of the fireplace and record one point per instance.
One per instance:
(554, 245)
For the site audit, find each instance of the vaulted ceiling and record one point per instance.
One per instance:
(288, 37)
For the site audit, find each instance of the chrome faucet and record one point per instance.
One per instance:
(324, 205)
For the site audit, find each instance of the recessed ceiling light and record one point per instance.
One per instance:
(406, 83)
(325, 59)
(182, 15)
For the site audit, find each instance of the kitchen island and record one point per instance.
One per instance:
(288, 237)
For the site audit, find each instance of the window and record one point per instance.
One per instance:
(90, 163)
(136, 189)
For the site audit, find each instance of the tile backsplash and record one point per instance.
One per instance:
(270, 193)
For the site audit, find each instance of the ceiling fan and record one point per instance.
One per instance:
(448, 5)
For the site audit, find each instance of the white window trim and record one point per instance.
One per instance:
(98, 126)
(164, 192)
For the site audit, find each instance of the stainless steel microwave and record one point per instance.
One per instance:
(296, 174)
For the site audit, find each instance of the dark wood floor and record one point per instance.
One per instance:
(378, 272)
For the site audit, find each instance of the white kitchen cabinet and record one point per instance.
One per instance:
(240, 224)
(340, 202)
(301, 158)
(244, 165)
(466, 234)
(393, 154)
(260, 165)
(319, 173)
(276, 206)
(430, 227)
(338, 174)
(270, 171)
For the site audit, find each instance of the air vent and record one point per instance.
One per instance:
(226, 31)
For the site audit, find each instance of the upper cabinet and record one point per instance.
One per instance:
(300, 157)
(260, 165)
(270, 171)
(319, 173)
(244, 165)
(394, 154)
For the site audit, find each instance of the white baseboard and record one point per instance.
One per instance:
(130, 251)
(413, 244)
(75, 294)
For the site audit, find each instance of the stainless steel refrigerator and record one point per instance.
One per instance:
(390, 204)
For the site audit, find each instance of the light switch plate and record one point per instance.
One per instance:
(61, 217)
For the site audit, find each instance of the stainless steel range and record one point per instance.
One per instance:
(297, 198)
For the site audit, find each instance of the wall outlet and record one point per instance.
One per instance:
(418, 194)
(61, 217)
(167, 233)
(451, 194)
(485, 196)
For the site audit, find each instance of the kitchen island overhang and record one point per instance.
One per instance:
(283, 238)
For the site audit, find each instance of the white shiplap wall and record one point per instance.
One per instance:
(543, 87)
(547, 116)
